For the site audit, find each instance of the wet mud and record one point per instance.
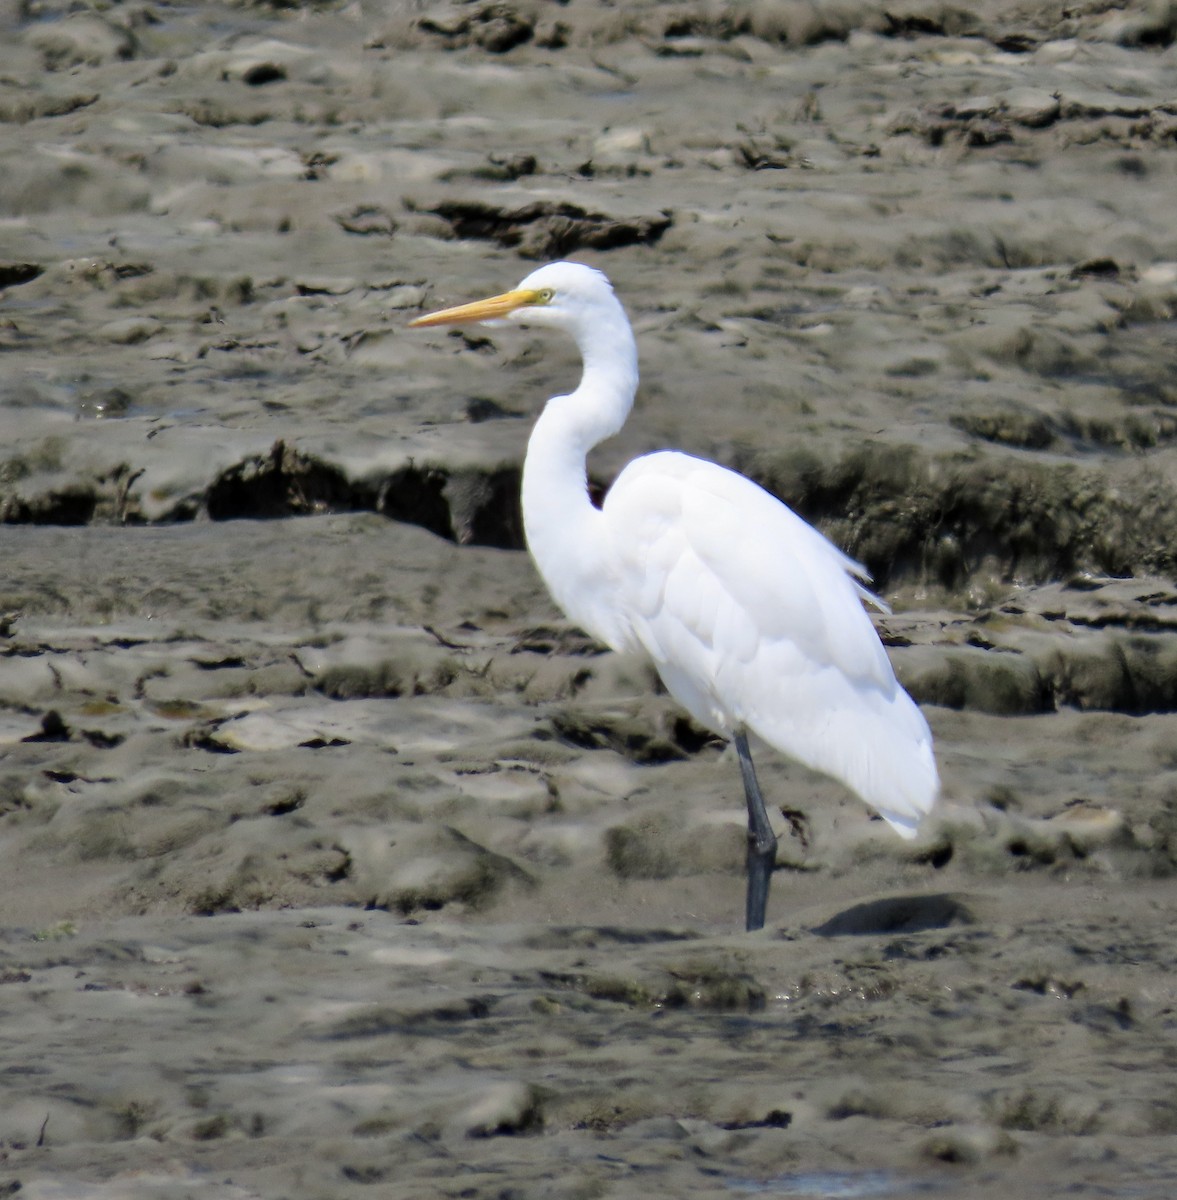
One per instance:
(335, 861)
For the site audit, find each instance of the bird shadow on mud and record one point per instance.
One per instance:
(898, 914)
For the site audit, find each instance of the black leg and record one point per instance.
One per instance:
(761, 840)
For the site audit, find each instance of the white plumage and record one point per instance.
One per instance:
(754, 620)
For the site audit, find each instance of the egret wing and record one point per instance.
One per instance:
(755, 620)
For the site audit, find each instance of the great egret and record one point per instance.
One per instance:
(753, 619)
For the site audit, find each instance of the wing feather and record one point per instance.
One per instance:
(755, 620)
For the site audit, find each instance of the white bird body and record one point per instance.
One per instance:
(753, 619)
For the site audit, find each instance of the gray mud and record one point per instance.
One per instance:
(335, 862)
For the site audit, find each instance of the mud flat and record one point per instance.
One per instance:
(334, 861)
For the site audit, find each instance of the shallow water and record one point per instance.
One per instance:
(841, 1185)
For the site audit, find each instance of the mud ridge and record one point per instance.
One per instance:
(955, 520)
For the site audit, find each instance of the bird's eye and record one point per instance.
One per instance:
(545, 295)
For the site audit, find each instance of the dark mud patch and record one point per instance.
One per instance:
(960, 519)
(548, 230)
(471, 507)
(282, 483)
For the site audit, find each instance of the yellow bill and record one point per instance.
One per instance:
(492, 309)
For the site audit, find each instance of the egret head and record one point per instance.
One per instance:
(564, 295)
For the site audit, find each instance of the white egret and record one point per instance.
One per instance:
(754, 620)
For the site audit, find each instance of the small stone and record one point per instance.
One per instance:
(130, 330)
(98, 403)
(976, 106)
(366, 219)
(1090, 825)
(1031, 107)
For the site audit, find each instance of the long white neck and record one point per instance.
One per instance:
(565, 532)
